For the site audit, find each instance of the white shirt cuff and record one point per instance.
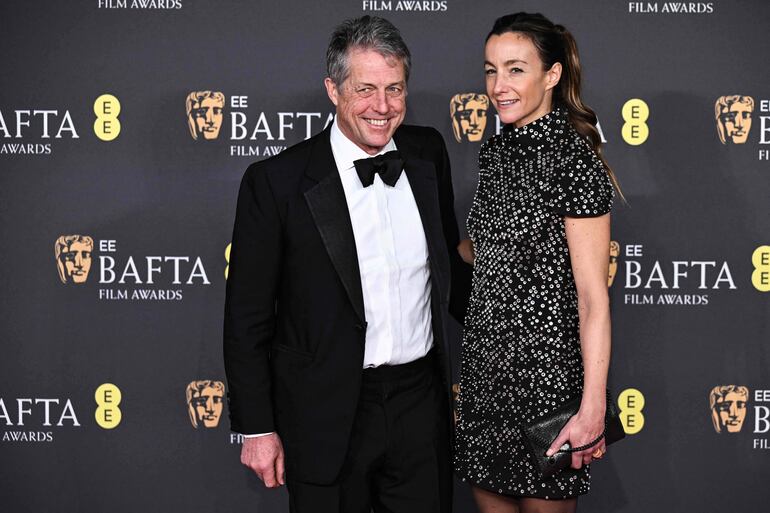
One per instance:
(258, 435)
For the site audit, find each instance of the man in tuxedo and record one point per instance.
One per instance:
(336, 313)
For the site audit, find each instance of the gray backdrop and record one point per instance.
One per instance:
(154, 197)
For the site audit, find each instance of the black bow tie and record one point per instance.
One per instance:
(389, 165)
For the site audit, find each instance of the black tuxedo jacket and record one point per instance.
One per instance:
(294, 328)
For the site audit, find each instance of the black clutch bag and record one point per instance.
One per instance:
(540, 434)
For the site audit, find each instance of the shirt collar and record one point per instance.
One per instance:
(346, 152)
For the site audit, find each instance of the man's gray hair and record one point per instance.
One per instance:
(367, 33)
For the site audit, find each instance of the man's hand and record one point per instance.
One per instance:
(264, 455)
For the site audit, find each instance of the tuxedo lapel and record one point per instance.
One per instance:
(422, 179)
(327, 204)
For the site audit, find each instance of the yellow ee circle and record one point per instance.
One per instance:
(760, 278)
(107, 106)
(107, 124)
(635, 134)
(635, 111)
(107, 129)
(107, 414)
(631, 403)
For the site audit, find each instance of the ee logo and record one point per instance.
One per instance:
(631, 404)
(635, 113)
(107, 124)
(107, 414)
(760, 278)
(227, 259)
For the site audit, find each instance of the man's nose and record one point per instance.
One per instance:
(381, 103)
(78, 260)
(209, 117)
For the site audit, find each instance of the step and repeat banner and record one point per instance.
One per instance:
(125, 128)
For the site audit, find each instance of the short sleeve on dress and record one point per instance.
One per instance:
(581, 187)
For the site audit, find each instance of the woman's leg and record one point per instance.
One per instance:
(491, 502)
(533, 505)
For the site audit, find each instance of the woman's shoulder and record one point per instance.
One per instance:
(572, 145)
(572, 154)
(490, 151)
(492, 144)
(580, 185)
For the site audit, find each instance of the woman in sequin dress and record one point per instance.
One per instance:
(537, 332)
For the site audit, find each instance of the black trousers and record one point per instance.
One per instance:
(398, 459)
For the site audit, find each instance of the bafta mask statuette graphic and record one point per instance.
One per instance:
(469, 115)
(204, 402)
(728, 407)
(733, 117)
(73, 257)
(205, 113)
(614, 254)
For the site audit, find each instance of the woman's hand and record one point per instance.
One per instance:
(465, 248)
(581, 429)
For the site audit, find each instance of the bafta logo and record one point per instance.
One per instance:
(204, 114)
(469, 115)
(73, 257)
(728, 407)
(614, 254)
(204, 402)
(733, 116)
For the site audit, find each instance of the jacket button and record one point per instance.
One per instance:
(360, 327)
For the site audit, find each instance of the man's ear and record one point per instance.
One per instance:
(331, 90)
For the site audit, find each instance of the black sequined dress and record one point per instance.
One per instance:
(521, 350)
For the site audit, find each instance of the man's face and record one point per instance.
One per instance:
(208, 406)
(737, 122)
(472, 119)
(371, 103)
(76, 261)
(208, 117)
(731, 411)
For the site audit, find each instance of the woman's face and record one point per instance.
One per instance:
(519, 88)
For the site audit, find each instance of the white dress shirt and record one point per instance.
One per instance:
(392, 259)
